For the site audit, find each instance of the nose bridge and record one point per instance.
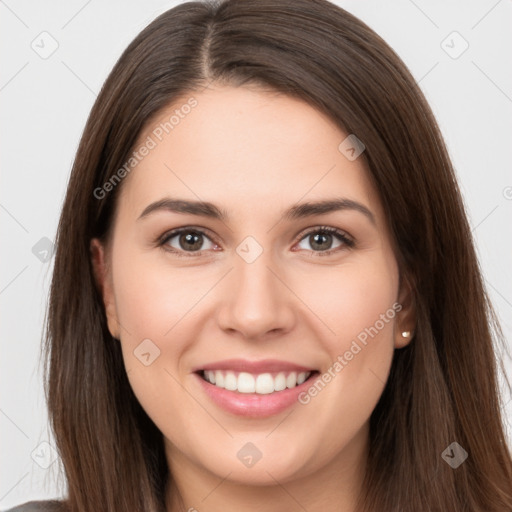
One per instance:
(257, 302)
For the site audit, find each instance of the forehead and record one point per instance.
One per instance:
(249, 150)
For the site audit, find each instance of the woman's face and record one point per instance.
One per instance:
(260, 297)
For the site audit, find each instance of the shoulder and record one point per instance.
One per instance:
(40, 506)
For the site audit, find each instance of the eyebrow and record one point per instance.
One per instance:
(299, 211)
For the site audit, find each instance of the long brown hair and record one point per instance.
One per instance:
(442, 387)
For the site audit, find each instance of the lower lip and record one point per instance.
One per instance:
(254, 405)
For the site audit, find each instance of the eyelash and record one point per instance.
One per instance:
(341, 235)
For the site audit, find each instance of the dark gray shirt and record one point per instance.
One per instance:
(40, 506)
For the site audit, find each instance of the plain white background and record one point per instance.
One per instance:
(45, 101)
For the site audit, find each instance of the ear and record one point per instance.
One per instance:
(405, 325)
(103, 278)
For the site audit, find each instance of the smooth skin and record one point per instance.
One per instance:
(254, 153)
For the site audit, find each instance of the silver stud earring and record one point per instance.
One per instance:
(406, 334)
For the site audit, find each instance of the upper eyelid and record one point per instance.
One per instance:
(329, 229)
(174, 232)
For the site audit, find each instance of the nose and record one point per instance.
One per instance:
(258, 301)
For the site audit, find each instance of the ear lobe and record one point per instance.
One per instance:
(103, 280)
(405, 325)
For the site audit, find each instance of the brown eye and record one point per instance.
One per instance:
(186, 240)
(321, 240)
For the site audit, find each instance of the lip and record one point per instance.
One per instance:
(254, 367)
(253, 405)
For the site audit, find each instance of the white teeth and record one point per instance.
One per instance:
(265, 384)
(301, 378)
(280, 382)
(262, 384)
(246, 383)
(230, 382)
(291, 380)
(219, 379)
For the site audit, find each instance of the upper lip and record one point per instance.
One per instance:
(256, 367)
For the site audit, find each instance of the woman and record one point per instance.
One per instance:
(206, 351)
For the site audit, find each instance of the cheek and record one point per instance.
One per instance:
(152, 298)
(352, 297)
(158, 304)
(155, 307)
(358, 305)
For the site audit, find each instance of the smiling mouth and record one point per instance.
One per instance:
(262, 383)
